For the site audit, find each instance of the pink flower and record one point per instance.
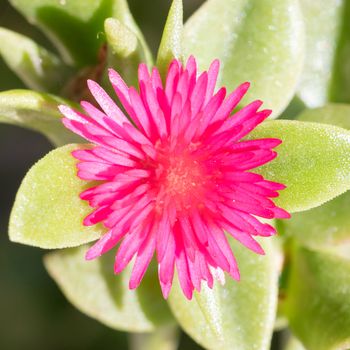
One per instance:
(175, 175)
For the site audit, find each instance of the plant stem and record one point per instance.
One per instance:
(164, 338)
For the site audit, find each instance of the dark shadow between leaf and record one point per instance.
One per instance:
(113, 282)
(151, 299)
(81, 38)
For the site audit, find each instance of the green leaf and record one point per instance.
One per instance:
(38, 68)
(127, 47)
(328, 226)
(322, 24)
(313, 162)
(318, 301)
(72, 25)
(340, 84)
(238, 315)
(120, 38)
(123, 15)
(326, 76)
(171, 43)
(92, 287)
(35, 111)
(125, 51)
(257, 41)
(334, 113)
(48, 212)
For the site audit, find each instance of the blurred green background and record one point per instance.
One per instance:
(33, 312)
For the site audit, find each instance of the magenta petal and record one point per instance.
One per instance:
(144, 257)
(106, 103)
(198, 95)
(103, 245)
(184, 275)
(128, 248)
(212, 78)
(166, 266)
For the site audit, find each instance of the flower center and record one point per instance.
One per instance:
(183, 176)
(180, 178)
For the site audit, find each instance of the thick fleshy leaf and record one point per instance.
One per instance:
(123, 15)
(127, 47)
(313, 162)
(340, 84)
(92, 287)
(124, 51)
(238, 315)
(171, 43)
(38, 68)
(327, 226)
(35, 111)
(120, 38)
(334, 113)
(326, 76)
(318, 302)
(322, 24)
(72, 25)
(255, 41)
(48, 212)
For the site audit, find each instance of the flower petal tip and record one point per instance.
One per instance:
(91, 254)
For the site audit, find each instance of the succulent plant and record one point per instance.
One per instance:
(296, 56)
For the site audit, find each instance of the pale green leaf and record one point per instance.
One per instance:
(328, 226)
(48, 212)
(37, 111)
(38, 68)
(257, 41)
(92, 287)
(238, 315)
(122, 13)
(122, 41)
(318, 301)
(326, 75)
(334, 113)
(127, 47)
(313, 162)
(171, 43)
(125, 51)
(322, 25)
(72, 25)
